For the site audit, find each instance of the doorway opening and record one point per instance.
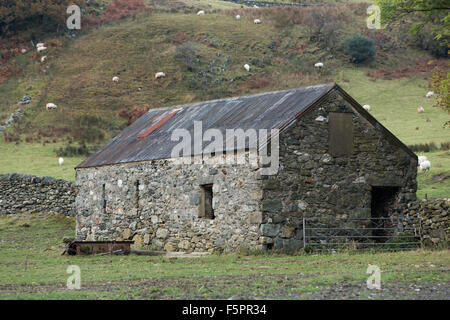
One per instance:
(382, 205)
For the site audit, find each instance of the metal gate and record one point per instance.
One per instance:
(387, 233)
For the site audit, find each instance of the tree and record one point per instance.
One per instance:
(423, 12)
(359, 48)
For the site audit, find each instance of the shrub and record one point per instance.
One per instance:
(133, 114)
(423, 147)
(360, 49)
(187, 54)
(73, 151)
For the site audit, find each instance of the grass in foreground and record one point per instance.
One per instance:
(31, 267)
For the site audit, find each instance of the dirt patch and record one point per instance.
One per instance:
(440, 177)
(419, 67)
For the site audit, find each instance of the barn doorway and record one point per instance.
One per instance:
(382, 205)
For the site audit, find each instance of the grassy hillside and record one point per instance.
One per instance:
(203, 58)
(32, 267)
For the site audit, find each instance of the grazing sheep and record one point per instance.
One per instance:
(429, 94)
(257, 21)
(420, 109)
(60, 161)
(238, 17)
(201, 13)
(247, 67)
(425, 165)
(49, 106)
(319, 65)
(115, 79)
(366, 107)
(43, 59)
(39, 49)
(160, 75)
(422, 159)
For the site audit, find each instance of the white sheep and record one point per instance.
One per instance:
(43, 59)
(39, 49)
(366, 107)
(257, 21)
(60, 161)
(238, 17)
(425, 165)
(319, 65)
(160, 75)
(422, 158)
(247, 67)
(420, 109)
(49, 106)
(201, 13)
(429, 94)
(115, 79)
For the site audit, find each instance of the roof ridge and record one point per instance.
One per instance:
(329, 84)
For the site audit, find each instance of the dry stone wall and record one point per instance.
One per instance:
(27, 193)
(432, 216)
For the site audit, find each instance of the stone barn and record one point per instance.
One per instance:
(334, 160)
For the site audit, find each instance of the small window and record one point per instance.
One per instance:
(104, 198)
(341, 134)
(137, 194)
(206, 202)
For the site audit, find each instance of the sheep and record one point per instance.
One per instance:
(319, 65)
(238, 17)
(115, 79)
(247, 67)
(422, 159)
(60, 161)
(425, 165)
(39, 49)
(420, 109)
(43, 59)
(366, 107)
(429, 94)
(257, 21)
(160, 75)
(201, 13)
(49, 106)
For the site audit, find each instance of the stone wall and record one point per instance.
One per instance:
(312, 183)
(26, 193)
(433, 217)
(156, 203)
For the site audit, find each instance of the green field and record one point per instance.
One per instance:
(32, 267)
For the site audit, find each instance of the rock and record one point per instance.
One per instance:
(126, 234)
(270, 230)
(286, 232)
(162, 233)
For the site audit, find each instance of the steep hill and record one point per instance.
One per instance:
(203, 58)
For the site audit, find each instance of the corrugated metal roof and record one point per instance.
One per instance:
(271, 110)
